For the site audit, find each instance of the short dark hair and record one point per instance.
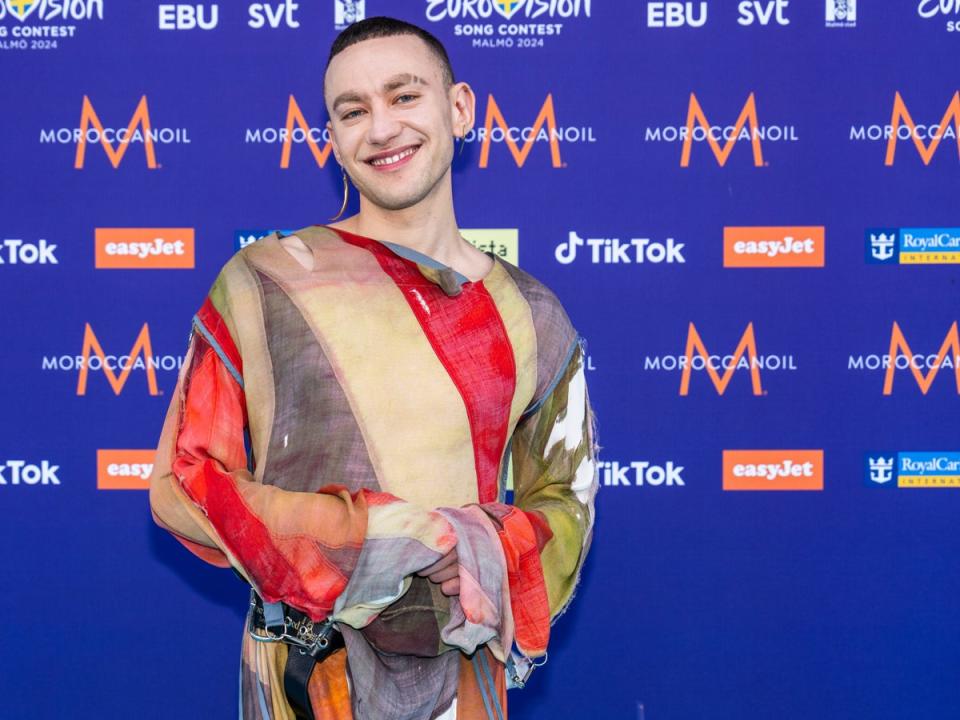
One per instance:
(380, 27)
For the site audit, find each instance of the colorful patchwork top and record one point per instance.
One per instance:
(337, 428)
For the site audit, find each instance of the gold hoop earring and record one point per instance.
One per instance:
(346, 190)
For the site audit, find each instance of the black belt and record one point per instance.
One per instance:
(308, 643)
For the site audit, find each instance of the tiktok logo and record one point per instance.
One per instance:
(613, 251)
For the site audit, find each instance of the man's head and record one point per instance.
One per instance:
(394, 110)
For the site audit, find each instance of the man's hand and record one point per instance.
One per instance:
(445, 572)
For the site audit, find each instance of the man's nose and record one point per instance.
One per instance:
(383, 126)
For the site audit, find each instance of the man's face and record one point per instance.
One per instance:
(391, 118)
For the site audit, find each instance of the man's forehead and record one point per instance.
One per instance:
(371, 64)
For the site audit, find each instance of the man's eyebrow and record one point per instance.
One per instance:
(402, 79)
(397, 81)
(351, 96)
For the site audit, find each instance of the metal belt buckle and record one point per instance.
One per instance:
(519, 668)
(309, 638)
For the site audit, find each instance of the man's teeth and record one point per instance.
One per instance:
(394, 158)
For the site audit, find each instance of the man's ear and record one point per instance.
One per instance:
(463, 107)
(333, 143)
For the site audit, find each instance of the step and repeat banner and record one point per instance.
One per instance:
(750, 210)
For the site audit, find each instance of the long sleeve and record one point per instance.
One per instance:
(546, 533)
(299, 548)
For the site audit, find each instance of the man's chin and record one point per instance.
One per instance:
(393, 201)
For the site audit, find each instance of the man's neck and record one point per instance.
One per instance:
(429, 227)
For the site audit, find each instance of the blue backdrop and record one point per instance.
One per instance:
(822, 588)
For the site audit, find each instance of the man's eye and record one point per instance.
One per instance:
(350, 115)
(406, 97)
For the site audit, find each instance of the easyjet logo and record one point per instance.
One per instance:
(144, 248)
(773, 469)
(125, 363)
(755, 247)
(745, 352)
(936, 133)
(124, 469)
(947, 356)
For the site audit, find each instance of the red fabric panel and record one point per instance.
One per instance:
(468, 336)
(519, 537)
(292, 568)
(213, 322)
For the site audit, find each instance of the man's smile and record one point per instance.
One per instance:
(390, 159)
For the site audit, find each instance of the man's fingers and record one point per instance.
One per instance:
(450, 587)
(446, 561)
(444, 574)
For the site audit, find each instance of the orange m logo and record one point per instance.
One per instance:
(695, 115)
(125, 363)
(141, 117)
(295, 115)
(901, 114)
(547, 116)
(898, 344)
(748, 345)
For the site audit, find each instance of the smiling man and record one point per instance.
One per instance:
(344, 424)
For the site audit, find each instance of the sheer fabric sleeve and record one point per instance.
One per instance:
(295, 547)
(546, 533)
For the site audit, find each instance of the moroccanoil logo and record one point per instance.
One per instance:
(124, 469)
(295, 131)
(144, 248)
(91, 130)
(757, 247)
(773, 469)
(697, 358)
(544, 129)
(117, 369)
(926, 137)
(922, 366)
(698, 128)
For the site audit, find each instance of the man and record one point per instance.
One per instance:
(385, 372)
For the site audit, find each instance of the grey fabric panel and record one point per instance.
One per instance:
(315, 439)
(555, 334)
(399, 687)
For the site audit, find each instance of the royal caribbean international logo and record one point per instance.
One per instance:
(508, 23)
(906, 469)
(43, 24)
(913, 246)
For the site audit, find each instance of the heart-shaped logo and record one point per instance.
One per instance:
(507, 8)
(21, 9)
